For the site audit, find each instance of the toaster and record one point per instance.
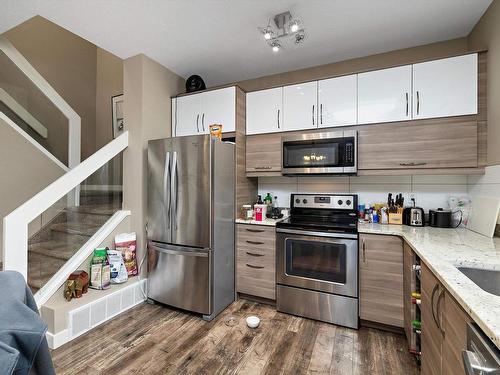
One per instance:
(413, 216)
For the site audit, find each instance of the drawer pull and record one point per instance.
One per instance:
(411, 164)
(255, 243)
(263, 167)
(256, 267)
(255, 254)
(254, 230)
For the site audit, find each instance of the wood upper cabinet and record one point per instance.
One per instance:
(446, 87)
(337, 100)
(265, 111)
(263, 153)
(412, 145)
(384, 95)
(196, 112)
(300, 106)
(381, 279)
(219, 107)
(256, 260)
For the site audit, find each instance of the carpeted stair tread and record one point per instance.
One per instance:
(82, 229)
(58, 249)
(95, 209)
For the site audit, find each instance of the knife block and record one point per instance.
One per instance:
(396, 217)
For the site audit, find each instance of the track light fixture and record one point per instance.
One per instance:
(285, 28)
(275, 44)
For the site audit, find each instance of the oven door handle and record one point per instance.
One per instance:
(319, 234)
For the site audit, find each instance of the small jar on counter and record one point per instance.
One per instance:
(246, 212)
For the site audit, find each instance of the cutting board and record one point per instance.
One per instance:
(484, 215)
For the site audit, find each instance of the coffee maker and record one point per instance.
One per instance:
(414, 216)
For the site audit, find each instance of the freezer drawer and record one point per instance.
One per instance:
(180, 277)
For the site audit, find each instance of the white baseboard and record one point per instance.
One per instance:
(58, 339)
(83, 319)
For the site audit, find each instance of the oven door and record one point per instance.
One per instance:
(324, 262)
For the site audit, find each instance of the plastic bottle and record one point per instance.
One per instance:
(268, 199)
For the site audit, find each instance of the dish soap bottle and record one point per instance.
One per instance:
(268, 200)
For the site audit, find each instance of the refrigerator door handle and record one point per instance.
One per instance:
(166, 183)
(184, 252)
(174, 189)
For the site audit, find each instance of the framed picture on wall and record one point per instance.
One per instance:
(117, 111)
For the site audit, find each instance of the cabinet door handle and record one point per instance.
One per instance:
(256, 267)
(255, 230)
(197, 121)
(203, 122)
(321, 113)
(407, 105)
(313, 114)
(418, 102)
(438, 309)
(255, 242)
(254, 254)
(263, 167)
(364, 250)
(434, 290)
(278, 119)
(412, 164)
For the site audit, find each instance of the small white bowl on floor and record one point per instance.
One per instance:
(253, 321)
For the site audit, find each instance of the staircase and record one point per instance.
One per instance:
(56, 242)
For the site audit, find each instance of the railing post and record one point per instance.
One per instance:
(15, 246)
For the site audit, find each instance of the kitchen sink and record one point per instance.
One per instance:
(488, 280)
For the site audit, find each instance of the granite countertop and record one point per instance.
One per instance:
(268, 222)
(442, 250)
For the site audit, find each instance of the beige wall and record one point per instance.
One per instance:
(32, 171)
(67, 62)
(109, 83)
(148, 87)
(85, 75)
(486, 35)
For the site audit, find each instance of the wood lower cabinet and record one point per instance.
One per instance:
(256, 260)
(263, 154)
(381, 279)
(435, 144)
(444, 328)
(432, 337)
(455, 321)
(409, 285)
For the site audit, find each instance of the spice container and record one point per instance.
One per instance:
(246, 212)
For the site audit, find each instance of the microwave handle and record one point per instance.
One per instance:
(313, 114)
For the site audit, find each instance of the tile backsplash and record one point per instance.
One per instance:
(429, 191)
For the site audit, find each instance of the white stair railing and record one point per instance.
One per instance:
(74, 121)
(15, 225)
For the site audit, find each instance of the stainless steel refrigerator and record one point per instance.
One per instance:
(190, 223)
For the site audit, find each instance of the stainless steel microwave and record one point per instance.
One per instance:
(320, 153)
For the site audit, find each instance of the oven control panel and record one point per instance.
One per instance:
(346, 202)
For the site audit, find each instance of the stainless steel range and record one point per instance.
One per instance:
(317, 259)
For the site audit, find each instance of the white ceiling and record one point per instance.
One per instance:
(218, 39)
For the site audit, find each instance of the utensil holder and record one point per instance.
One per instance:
(396, 217)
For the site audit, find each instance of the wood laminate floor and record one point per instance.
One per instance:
(152, 339)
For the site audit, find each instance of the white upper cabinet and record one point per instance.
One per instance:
(384, 95)
(193, 114)
(446, 87)
(219, 107)
(300, 106)
(264, 111)
(337, 99)
(188, 110)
